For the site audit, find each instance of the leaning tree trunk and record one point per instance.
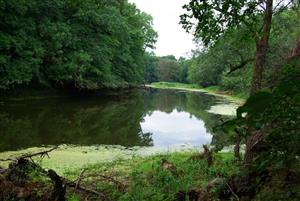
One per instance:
(261, 53)
(262, 48)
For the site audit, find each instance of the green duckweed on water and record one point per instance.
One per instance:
(71, 157)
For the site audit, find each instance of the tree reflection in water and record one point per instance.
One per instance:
(110, 120)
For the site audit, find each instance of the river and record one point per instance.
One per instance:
(156, 118)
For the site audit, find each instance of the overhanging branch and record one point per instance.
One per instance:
(239, 66)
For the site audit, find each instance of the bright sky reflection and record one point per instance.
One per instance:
(175, 128)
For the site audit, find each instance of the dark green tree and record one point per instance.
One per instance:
(73, 43)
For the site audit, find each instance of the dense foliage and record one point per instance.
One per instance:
(86, 44)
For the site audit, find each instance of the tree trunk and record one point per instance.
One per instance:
(261, 53)
(237, 155)
(254, 139)
(262, 48)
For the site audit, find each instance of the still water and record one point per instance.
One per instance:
(151, 117)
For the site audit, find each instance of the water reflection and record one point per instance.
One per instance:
(175, 128)
(140, 118)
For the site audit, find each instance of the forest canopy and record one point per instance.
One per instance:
(83, 44)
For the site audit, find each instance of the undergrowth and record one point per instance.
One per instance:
(146, 179)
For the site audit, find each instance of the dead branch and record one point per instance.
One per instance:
(119, 184)
(76, 185)
(87, 190)
(108, 178)
(42, 154)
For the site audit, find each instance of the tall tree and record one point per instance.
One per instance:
(216, 17)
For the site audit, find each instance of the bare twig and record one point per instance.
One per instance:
(111, 179)
(87, 190)
(42, 154)
(79, 180)
(121, 186)
(233, 193)
(76, 185)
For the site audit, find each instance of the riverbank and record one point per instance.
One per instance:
(177, 176)
(213, 90)
(168, 176)
(158, 177)
(40, 93)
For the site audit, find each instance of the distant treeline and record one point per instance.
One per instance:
(166, 68)
(83, 44)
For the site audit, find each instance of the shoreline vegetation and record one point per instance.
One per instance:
(213, 90)
(165, 176)
(75, 158)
